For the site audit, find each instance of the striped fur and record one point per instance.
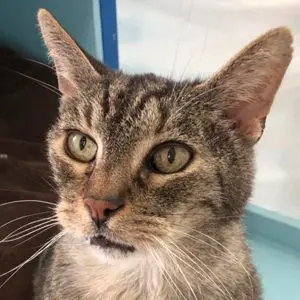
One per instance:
(186, 227)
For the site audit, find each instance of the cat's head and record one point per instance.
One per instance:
(141, 161)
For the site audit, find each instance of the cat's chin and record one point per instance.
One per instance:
(109, 251)
(106, 244)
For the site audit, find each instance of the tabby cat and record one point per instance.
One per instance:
(153, 175)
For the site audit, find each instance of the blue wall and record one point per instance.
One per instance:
(18, 25)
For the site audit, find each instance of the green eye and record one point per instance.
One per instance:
(81, 146)
(169, 158)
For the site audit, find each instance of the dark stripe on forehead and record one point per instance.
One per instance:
(125, 98)
(158, 93)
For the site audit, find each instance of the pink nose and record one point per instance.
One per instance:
(101, 210)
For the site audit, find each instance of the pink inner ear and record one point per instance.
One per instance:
(250, 116)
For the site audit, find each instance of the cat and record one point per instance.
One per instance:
(153, 175)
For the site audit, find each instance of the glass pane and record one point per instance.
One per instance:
(187, 39)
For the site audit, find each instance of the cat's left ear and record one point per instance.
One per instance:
(245, 87)
(74, 70)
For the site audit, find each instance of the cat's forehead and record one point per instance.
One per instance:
(120, 108)
(123, 112)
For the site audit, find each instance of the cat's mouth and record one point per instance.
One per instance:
(105, 243)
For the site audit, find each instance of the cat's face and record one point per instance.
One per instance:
(140, 160)
(165, 163)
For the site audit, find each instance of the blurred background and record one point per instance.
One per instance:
(192, 38)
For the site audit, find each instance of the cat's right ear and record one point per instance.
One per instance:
(74, 70)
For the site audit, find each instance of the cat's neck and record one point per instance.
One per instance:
(152, 274)
(138, 276)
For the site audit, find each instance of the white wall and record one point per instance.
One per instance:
(190, 38)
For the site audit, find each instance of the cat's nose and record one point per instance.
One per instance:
(101, 210)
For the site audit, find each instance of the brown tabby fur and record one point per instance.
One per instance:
(186, 227)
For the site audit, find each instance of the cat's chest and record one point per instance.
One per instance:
(125, 289)
(99, 281)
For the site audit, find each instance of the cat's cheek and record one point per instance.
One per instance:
(75, 219)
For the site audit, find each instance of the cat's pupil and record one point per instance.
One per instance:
(171, 155)
(82, 143)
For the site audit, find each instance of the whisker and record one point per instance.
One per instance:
(33, 222)
(160, 268)
(231, 255)
(179, 97)
(188, 20)
(21, 191)
(203, 264)
(19, 235)
(176, 264)
(166, 272)
(39, 63)
(207, 268)
(23, 217)
(37, 253)
(51, 185)
(26, 201)
(177, 46)
(193, 54)
(228, 251)
(16, 237)
(205, 275)
(190, 100)
(42, 83)
(212, 218)
(198, 272)
(31, 257)
(37, 234)
(16, 231)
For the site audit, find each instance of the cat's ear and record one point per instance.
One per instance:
(245, 87)
(73, 68)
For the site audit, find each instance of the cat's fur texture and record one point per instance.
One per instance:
(186, 227)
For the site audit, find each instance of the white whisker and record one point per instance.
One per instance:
(190, 100)
(39, 63)
(37, 234)
(22, 217)
(21, 235)
(231, 255)
(37, 253)
(26, 201)
(160, 268)
(205, 275)
(42, 83)
(31, 223)
(176, 264)
(166, 272)
(207, 268)
(188, 19)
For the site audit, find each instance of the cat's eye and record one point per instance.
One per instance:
(170, 158)
(80, 146)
